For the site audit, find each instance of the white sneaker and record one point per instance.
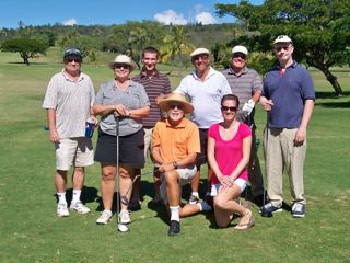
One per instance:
(80, 208)
(62, 210)
(124, 217)
(106, 215)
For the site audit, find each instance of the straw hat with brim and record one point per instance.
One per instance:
(122, 60)
(176, 98)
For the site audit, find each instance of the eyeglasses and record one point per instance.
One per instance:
(118, 66)
(239, 55)
(227, 108)
(282, 47)
(73, 59)
(178, 106)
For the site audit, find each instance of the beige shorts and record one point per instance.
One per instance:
(185, 176)
(74, 151)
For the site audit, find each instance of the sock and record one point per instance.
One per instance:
(76, 196)
(204, 206)
(124, 211)
(62, 198)
(195, 194)
(175, 213)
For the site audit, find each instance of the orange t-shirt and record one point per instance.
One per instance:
(176, 142)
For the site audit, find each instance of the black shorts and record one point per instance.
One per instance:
(202, 156)
(130, 149)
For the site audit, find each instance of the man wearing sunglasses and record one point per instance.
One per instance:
(205, 88)
(246, 85)
(288, 97)
(68, 100)
(175, 147)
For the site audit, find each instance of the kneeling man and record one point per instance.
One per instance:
(175, 147)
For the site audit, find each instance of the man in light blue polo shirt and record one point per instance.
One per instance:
(204, 87)
(288, 96)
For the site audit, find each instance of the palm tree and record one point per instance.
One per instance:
(175, 45)
(137, 40)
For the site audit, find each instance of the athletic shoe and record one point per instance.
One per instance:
(157, 200)
(298, 210)
(124, 217)
(268, 209)
(193, 200)
(106, 215)
(174, 229)
(135, 206)
(62, 210)
(80, 208)
(209, 200)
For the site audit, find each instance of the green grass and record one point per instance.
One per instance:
(30, 231)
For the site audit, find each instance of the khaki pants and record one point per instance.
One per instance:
(281, 154)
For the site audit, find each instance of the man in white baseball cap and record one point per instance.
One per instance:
(246, 85)
(288, 96)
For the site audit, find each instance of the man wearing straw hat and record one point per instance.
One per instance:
(175, 147)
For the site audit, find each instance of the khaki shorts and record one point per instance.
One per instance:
(74, 151)
(185, 176)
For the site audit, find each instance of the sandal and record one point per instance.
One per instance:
(250, 222)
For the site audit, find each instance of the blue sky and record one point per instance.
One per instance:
(107, 12)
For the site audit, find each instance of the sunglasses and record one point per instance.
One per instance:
(202, 57)
(231, 108)
(283, 47)
(118, 66)
(73, 59)
(178, 106)
(239, 55)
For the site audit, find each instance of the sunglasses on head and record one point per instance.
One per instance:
(178, 106)
(282, 47)
(226, 108)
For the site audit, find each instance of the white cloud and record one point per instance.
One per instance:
(170, 17)
(205, 18)
(70, 22)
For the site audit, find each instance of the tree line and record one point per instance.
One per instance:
(320, 30)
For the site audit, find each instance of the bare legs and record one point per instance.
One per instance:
(109, 172)
(225, 207)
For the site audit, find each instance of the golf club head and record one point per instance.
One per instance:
(123, 228)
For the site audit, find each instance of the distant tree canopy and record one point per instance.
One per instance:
(320, 29)
(26, 47)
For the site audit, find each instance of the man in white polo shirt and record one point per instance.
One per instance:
(204, 87)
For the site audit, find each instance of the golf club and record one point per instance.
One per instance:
(120, 227)
(262, 211)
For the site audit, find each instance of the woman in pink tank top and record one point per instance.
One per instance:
(229, 146)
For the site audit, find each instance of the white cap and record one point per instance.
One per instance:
(282, 39)
(240, 49)
(200, 51)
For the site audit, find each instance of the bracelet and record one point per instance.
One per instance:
(175, 165)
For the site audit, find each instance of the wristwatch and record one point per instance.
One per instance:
(175, 165)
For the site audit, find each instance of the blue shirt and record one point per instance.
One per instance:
(288, 92)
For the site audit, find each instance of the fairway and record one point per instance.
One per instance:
(31, 231)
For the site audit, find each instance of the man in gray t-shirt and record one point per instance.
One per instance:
(68, 100)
